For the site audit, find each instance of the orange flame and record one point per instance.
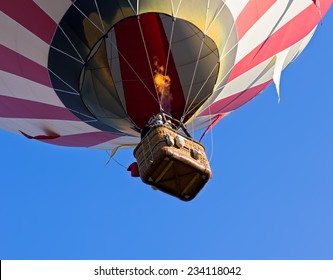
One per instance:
(162, 83)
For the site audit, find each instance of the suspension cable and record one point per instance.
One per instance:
(217, 87)
(169, 51)
(147, 56)
(128, 63)
(193, 76)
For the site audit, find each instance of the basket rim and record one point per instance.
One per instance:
(167, 128)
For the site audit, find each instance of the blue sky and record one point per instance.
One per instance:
(270, 196)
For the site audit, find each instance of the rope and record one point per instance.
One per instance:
(116, 161)
(195, 69)
(211, 139)
(147, 56)
(69, 40)
(100, 17)
(88, 18)
(217, 87)
(136, 74)
(169, 50)
(215, 17)
(199, 91)
(193, 76)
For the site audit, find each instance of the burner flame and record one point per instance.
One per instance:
(162, 83)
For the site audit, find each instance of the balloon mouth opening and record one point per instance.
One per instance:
(115, 69)
(148, 64)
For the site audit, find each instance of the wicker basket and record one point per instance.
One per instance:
(172, 163)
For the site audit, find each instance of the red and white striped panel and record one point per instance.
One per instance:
(28, 102)
(277, 28)
(270, 34)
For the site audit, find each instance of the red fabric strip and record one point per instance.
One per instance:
(289, 34)
(140, 104)
(15, 63)
(28, 14)
(40, 137)
(252, 12)
(213, 123)
(82, 139)
(11, 107)
(233, 102)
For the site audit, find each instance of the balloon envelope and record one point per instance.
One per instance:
(90, 73)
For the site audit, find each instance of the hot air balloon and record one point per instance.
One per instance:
(97, 73)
